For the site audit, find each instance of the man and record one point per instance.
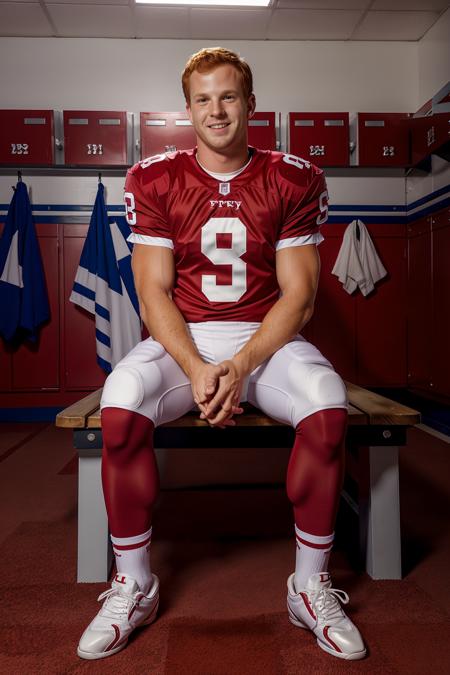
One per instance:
(226, 268)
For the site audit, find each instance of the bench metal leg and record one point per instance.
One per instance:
(379, 514)
(94, 545)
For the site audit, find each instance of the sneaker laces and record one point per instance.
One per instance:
(326, 604)
(116, 603)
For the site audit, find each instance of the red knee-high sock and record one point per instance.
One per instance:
(130, 487)
(314, 482)
(129, 471)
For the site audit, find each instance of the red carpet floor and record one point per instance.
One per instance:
(223, 557)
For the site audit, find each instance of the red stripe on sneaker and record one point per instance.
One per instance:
(307, 604)
(116, 639)
(312, 544)
(328, 639)
(130, 547)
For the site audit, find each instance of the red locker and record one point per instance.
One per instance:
(419, 303)
(165, 132)
(5, 367)
(322, 138)
(262, 131)
(440, 328)
(332, 328)
(381, 316)
(36, 366)
(383, 139)
(26, 137)
(94, 137)
(81, 368)
(428, 135)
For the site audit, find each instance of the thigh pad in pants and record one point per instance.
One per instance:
(296, 382)
(150, 382)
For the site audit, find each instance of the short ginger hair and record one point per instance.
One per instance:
(209, 58)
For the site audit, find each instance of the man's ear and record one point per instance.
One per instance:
(251, 105)
(188, 111)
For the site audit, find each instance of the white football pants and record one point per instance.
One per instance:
(294, 383)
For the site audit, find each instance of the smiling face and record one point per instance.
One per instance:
(219, 111)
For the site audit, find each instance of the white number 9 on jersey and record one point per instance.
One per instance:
(225, 256)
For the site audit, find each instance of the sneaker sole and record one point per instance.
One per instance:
(355, 656)
(91, 656)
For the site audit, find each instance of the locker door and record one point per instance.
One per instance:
(441, 304)
(165, 132)
(419, 303)
(334, 321)
(381, 316)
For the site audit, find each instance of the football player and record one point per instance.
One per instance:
(226, 268)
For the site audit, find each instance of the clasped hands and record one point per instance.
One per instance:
(217, 390)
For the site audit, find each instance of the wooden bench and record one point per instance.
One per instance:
(377, 427)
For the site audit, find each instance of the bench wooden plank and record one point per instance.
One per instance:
(76, 415)
(251, 418)
(365, 407)
(381, 410)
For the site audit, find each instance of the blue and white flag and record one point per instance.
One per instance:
(104, 285)
(23, 293)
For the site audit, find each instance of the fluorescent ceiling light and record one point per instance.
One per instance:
(205, 3)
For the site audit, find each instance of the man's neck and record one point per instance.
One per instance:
(221, 163)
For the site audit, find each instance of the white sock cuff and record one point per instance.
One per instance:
(128, 541)
(314, 538)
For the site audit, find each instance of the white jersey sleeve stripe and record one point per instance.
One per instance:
(316, 238)
(149, 241)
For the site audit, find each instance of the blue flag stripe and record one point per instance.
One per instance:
(82, 290)
(102, 311)
(105, 280)
(101, 337)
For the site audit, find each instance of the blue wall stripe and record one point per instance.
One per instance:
(387, 213)
(29, 414)
(430, 197)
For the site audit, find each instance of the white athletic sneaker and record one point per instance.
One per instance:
(318, 608)
(125, 608)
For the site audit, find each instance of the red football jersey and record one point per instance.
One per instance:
(225, 235)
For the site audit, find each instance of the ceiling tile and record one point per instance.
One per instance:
(238, 24)
(92, 20)
(323, 4)
(159, 22)
(425, 5)
(90, 2)
(394, 25)
(23, 19)
(305, 24)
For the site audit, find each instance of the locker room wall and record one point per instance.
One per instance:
(125, 74)
(434, 58)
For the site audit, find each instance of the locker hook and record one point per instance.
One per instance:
(99, 177)
(19, 176)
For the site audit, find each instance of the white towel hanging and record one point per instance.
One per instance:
(358, 264)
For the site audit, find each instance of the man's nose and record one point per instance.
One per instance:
(217, 107)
